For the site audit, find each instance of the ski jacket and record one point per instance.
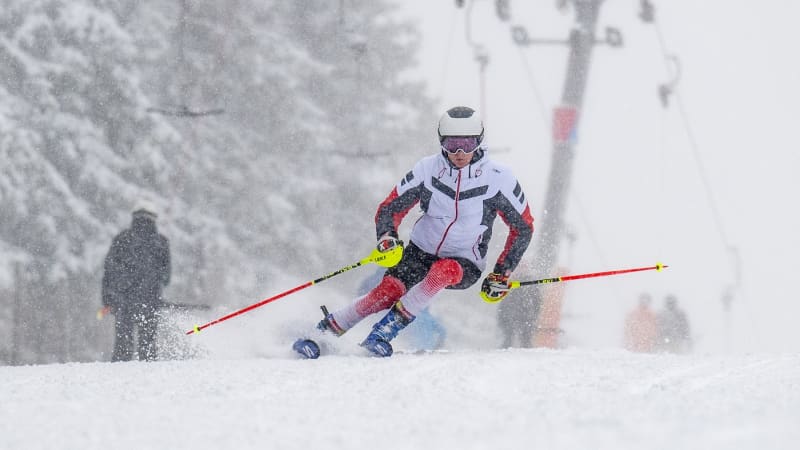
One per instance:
(459, 207)
(641, 330)
(137, 266)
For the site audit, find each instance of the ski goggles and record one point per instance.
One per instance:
(455, 144)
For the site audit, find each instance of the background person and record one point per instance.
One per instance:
(674, 334)
(137, 268)
(641, 330)
(518, 313)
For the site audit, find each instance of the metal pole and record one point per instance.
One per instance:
(565, 124)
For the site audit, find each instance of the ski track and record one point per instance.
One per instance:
(566, 399)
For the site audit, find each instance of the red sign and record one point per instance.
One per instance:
(564, 121)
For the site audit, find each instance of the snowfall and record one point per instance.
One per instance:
(457, 398)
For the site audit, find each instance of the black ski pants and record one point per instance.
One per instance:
(131, 321)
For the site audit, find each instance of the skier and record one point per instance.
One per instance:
(137, 268)
(461, 191)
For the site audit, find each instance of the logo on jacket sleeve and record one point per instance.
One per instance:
(519, 194)
(407, 179)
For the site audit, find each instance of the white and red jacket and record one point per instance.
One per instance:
(459, 207)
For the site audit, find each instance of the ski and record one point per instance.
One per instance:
(306, 348)
(309, 349)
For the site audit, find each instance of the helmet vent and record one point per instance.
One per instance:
(460, 112)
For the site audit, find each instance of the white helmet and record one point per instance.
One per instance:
(461, 121)
(146, 208)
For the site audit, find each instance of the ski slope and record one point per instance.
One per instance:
(462, 399)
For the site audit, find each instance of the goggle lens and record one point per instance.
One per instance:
(455, 144)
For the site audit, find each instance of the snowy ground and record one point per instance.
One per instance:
(461, 399)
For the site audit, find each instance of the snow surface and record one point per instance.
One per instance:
(463, 399)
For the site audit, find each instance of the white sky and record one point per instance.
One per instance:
(637, 194)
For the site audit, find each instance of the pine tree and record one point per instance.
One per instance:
(318, 122)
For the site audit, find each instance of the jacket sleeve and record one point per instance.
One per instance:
(513, 208)
(399, 202)
(112, 271)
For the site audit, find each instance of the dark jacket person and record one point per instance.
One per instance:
(137, 268)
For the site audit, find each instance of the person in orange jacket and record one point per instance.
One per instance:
(641, 329)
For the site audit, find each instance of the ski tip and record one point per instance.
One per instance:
(306, 348)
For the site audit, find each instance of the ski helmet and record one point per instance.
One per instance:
(461, 121)
(144, 208)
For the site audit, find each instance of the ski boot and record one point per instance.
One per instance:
(377, 342)
(309, 348)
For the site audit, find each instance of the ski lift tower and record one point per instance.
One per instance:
(566, 117)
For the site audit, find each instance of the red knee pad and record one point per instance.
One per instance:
(445, 272)
(382, 297)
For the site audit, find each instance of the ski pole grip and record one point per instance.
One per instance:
(388, 258)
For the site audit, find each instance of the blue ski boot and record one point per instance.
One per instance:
(307, 348)
(386, 329)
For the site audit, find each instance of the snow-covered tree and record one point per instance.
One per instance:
(316, 122)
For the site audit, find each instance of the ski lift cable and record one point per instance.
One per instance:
(468, 25)
(732, 251)
(534, 88)
(447, 54)
(695, 148)
(702, 171)
(669, 58)
(481, 55)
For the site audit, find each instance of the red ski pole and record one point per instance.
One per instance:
(515, 284)
(385, 259)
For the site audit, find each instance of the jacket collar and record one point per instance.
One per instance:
(480, 155)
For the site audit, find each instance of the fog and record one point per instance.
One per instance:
(705, 185)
